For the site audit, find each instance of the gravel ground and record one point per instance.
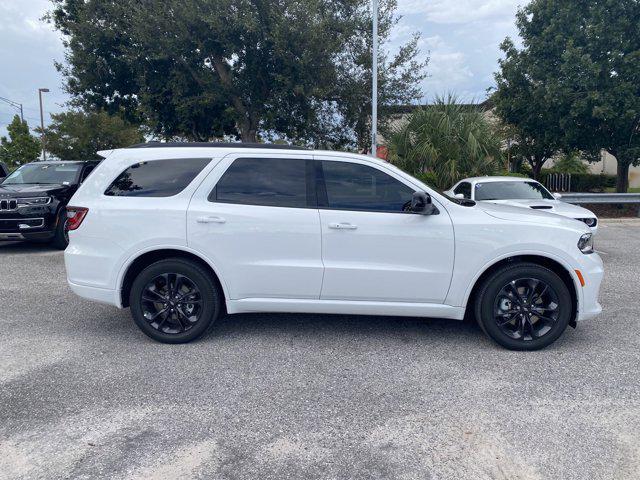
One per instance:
(83, 394)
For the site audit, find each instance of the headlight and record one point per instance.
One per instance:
(585, 244)
(25, 202)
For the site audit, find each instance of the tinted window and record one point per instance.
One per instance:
(465, 189)
(157, 178)
(511, 191)
(351, 186)
(276, 182)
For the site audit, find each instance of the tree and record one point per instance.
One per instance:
(448, 140)
(525, 107)
(21, 147)
(78, 135)
(202, 69)
(577, 74)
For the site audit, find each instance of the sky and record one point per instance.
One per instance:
(461, 37)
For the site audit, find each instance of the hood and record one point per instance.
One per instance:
(508, 212)
(551, 206)
(30, 189)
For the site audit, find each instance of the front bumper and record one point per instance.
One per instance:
(28, 223)
(592, 271)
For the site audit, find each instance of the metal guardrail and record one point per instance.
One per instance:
(606, 198)
(603, 198)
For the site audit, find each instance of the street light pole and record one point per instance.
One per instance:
(15, 105)
(44, 152)
(374, 83)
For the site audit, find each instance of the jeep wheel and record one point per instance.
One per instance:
(61, 236)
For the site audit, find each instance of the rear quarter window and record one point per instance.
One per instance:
(157, 178)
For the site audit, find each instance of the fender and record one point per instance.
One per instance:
(183, 248)
(535, 253)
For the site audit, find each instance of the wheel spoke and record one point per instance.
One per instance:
(545, 319)
(159, 312)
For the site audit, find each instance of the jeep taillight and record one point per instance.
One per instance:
(75, 216)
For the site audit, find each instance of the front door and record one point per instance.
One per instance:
(256, 219)
(374, 250)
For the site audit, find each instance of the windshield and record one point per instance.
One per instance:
(64, 173)
(511, 191)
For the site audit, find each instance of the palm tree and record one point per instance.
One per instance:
(448, 141)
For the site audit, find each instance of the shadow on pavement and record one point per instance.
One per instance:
(26, 247)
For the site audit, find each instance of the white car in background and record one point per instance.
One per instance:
(520, 192)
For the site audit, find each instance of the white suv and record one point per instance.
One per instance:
(183, 233)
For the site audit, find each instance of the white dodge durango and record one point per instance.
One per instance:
(184, 233)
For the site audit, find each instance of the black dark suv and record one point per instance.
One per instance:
(33, 200)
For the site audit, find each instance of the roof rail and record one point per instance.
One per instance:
(216, 145)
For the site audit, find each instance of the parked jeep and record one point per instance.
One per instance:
(33, 200)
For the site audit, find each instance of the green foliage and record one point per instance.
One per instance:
(429, 178)
(21, 147)
(78, 135)
(449, 140)
(576, 83)
(203, 69)
(570, 163)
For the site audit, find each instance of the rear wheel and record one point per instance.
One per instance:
(524, 307)
(174, 301)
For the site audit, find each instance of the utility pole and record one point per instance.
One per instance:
(15, 105)
(44, 152)
(374, 83)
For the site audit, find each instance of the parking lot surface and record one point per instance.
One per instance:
(84, 394)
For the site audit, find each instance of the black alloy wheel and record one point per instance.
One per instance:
(171, 303)
(175, 300)
(524, 306)
(526, 309)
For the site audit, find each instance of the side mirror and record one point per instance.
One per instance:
(557, 196)
(421, 204)
(459, 195)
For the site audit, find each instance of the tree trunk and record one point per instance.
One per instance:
(535, 168)
(622, 181)
(247, 132)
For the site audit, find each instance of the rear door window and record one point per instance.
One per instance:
(157, 178)
(275, 182)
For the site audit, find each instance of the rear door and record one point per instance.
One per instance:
(374, 250)
(255, 217)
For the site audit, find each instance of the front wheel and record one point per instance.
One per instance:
(61, 234)
(174, 301)
(524, 307)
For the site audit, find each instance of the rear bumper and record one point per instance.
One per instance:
(102, 295)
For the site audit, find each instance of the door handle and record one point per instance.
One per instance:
(210, 220)
(343, 226)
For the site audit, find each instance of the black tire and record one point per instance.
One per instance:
(61, 237)
(175, 325)
(510, 306)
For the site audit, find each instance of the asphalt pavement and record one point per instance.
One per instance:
(84, 394)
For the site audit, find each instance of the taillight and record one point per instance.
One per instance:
(75, 216)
